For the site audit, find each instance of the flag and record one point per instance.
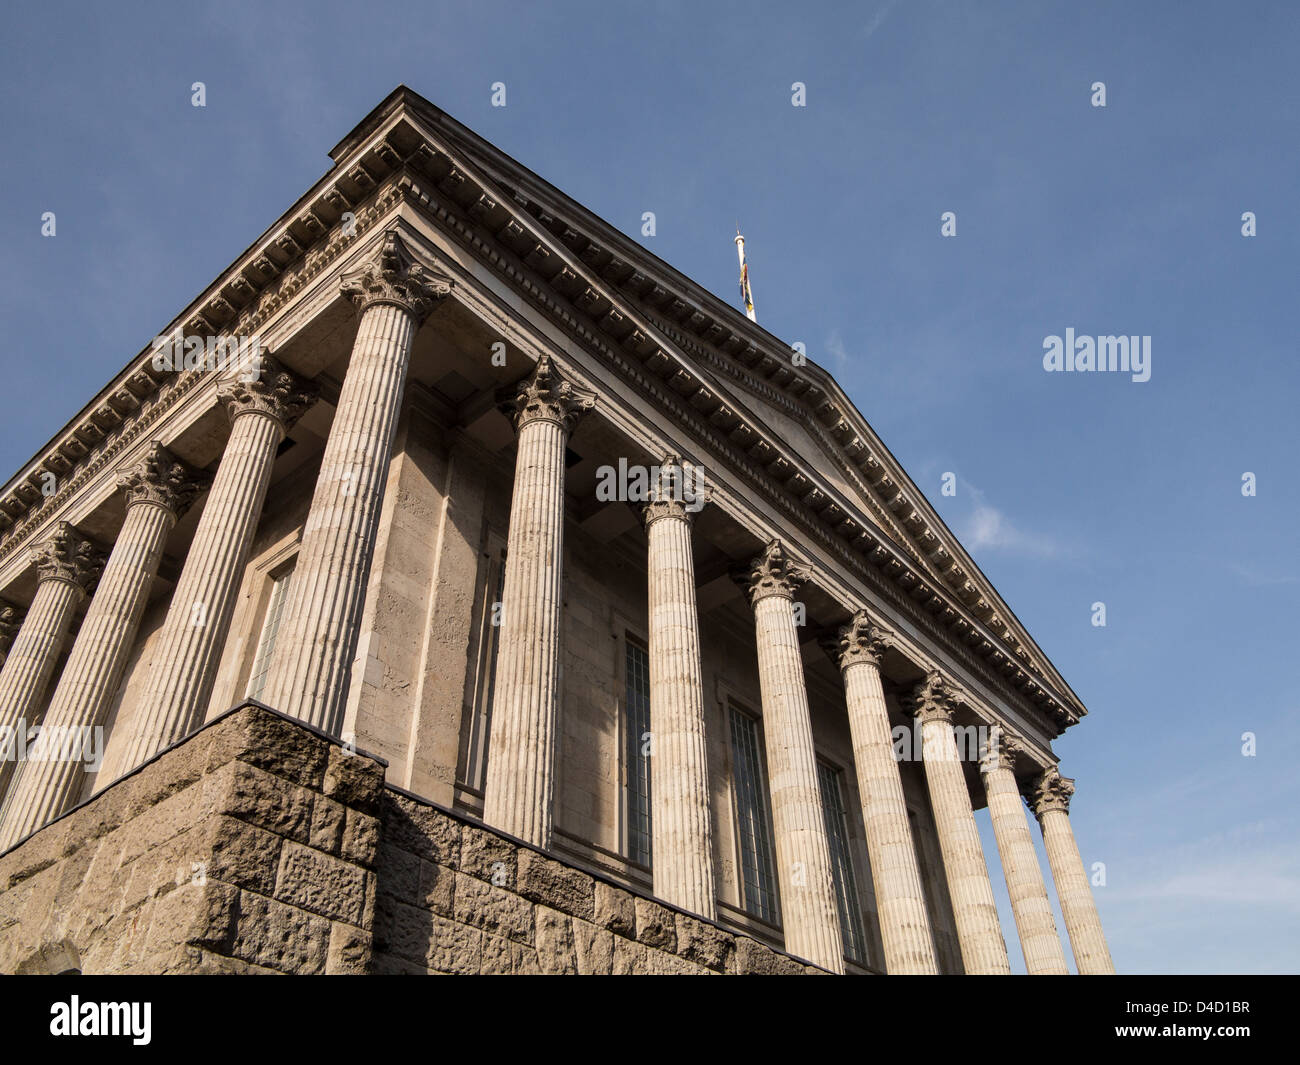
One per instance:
(746, 294)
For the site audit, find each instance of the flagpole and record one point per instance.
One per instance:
(746, 292)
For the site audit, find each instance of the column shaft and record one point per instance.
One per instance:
(313, 652)
(176, 696)
(900, 897)
(983, 950)
(680, 824)
(31, 660)
(808, 908)
(521, 753)
(1039, 940)
(1091, 954)
(50, 781)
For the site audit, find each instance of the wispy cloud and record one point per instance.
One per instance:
(838, 352)
(877, 20)
(1257, 578)
(987, 528)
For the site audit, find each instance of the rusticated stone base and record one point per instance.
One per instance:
(260, 846)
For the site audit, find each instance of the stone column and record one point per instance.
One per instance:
(309, 670)
(1050, 799)
(1039, 940)
(158, 490)
(808, 906)
(900, 898)
(983, 951)
(521, 746)
(175, 699)
(680, 823)
(67, 567)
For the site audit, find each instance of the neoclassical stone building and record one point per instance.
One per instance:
(570, 621)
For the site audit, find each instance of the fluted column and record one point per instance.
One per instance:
(983, 949)
(680, 821)
(261, 410)
(808, 907)
(1050, 799)
(158, 488)
(521, 751)
(67, 567)
(900, 897)
(1039, 940)
(309, 670)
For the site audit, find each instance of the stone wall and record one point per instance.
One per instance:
(260, 846)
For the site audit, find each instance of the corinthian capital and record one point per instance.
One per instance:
(162, 479)
(394, 275)
(11, 620)
(933, 699)
(860, 641)
(546, 396)
(66, 555)
(272, 390)
(1050, 791)
(1001, 752)
(679, 492)
(774, 572)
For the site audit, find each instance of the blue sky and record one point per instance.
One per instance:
(1072, 488)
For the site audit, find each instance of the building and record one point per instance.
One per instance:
(590, 614)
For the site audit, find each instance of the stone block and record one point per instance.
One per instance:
(487, 856)
(614, 909)
(554, 939)
(360, 842)
(703, 943)
(593, 949)
(493, 909)
(321, 883)
(240, 854)
(399, 875)
(630, 958)
(420, 829)
(280, 936)
(437, 888)
(655, 926)
(402, 930)
(453, 947)
(265, 800)
(328, 819)
(752, 958)
(355, 780)
(549, 882)
(349, 950)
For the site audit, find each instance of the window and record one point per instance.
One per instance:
(489, 638)
(636, 761)
(846, 885)
(270, 629)
(752, 820)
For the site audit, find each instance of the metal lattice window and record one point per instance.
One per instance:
(636, 761)
(494, 586)
(266, 641)
(753, 824)
(846, 885)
